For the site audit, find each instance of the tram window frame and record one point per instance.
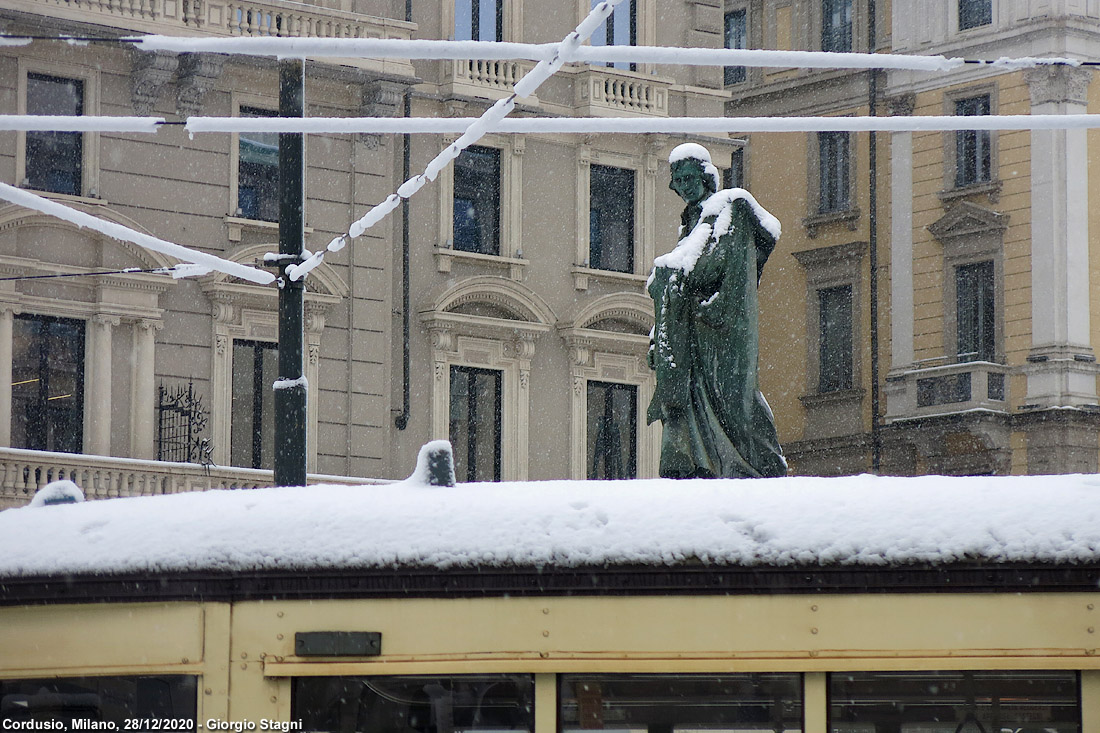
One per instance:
(525, 701)
(115, 695)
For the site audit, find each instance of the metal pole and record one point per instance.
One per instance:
(872, 162)
(290, 390)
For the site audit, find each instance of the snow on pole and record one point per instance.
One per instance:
(474, 132)
(117, 231)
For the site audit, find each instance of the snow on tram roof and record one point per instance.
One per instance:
(861, 520)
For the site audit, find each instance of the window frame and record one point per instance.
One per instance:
(498, 32)
(844, 380)
(258, 347)
(835, 182)
(961, 9)
(90, 141)
(81, 356)
(951, 189)
(645, 33)
(833, 413)
(472, 411)
(496, 201)
(849, 214)
(238, 211)
(732, 75)
(511, 20)
(509, 255)
(631, 219)
(631, 470)
(826, 38)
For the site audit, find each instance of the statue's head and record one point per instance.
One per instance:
(694, 176)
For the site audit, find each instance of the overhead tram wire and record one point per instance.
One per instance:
(172, 271)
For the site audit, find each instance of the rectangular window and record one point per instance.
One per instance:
(680, 702)
(258, 170)
(973, 157)
(479, 20)
(736, 36)
(415, 704)
(55, 160)
(620, 29)
(974, 13)
(611, 218)
(836, 26)
(834, 166)
(835, 334)
(101, 700)
(477, 201)
(974, 294)
(47, 391)
(612, 430)
(474, 428)
(255, 369)
(734, 176)
(955, 702)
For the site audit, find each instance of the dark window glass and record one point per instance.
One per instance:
(99, 699)
(54, 160)
(736, 36)
(973, 159)
(258, 170)
(477, 201)
(833, 171)
(479, 20)
(955, 702)
(611, 219)
(475, 423)
(415, 704)
(47, 391)
(974, 13)
(835, 345)
(612, 430)
(734, 176)
(976, 315)
(679, 702)
(252, 435)
(836, 25)
(620, 29)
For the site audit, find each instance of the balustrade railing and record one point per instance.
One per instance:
(23, 472)
(610, 92)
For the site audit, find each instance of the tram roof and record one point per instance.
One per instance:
(859, 533)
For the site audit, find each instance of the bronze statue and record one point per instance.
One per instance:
(705, 340)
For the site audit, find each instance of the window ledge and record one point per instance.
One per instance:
(582, 274)
(992, 189)
(238, 225)
(445, 257)
(816, 221)
(68, 198)
(829, 399)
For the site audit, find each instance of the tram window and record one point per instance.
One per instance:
(415, 704)
(680, 703)
(954, 702)
(101, 699)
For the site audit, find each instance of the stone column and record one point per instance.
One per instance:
(6, 323)
(143, 389)
(1061, 363)
(97, 385)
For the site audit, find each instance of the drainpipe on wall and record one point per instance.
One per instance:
(872, 205)
(402, 420)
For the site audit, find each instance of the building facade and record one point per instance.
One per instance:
(976, 243)
(900, 327)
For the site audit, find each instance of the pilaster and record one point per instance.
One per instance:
(143, 389)
(7, 315)
(97, 385)
(1061, 367)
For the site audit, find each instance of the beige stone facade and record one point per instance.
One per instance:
(527, 337)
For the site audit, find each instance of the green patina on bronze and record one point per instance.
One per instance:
(705, 344)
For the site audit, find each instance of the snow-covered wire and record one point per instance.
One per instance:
(117, 231)
(559, 125)
(476, 130)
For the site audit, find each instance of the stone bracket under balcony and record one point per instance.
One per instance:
(947, 389)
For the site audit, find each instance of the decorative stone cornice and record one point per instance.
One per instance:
(1058, 85)
(381, 98)
(967, 219)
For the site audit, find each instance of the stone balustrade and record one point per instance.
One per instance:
(23, 472)
(947, 388)
(485, 79)
(610, 92)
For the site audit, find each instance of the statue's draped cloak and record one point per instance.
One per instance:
(705, 347)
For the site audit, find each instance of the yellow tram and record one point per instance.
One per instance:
(861, 605)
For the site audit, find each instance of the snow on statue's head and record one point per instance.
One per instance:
(696, 152)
